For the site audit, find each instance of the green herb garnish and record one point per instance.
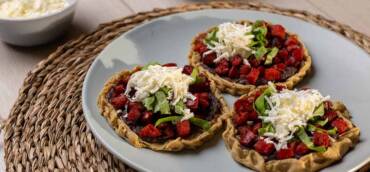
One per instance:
(204, 124)
(179, 107)
(149, 102)
(271, 55)
(266, 128)
(260, 104)
(195, 75)
(162, 105)
(302, 135)
(172, 119)
(211, 37)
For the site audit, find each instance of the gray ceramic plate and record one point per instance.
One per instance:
(341, 69)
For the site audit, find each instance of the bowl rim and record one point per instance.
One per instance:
(71, 5)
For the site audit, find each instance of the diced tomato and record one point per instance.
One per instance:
(203, 95)
(256, 126)
(187, 69)
(170, 65)
(254, 62)
(193, 104)
(280, 66)
(224, 62)
(277, 60)
(256, 95)
(243, 129)
(291, 61)
(233, 73)
(150, 131)
(278, 31)
(209, 59)
(200, 47)
(291, 40)
(283, 53)
(331, 115)
(147, 117)
(169, 132)
(252, 116)
(135, 105)
(200, 87)
(340, 124)
(245, 69)
(293, 144)
(301, 149)
(203, 99)
(119, 89)
(162, 126)
(321, 139)
(119, 101)
(133, 115)
(247, 137)
(183, 128)
(243, 105)
(261, 69)
(277, 42)
(328, 105)
(285, 153)
(222, 70)
(240, 118)
(272, 74)
(298, 54)
(236, 60)
(290, 48)
(222, 67)
(264, 148)
(280, 87)
(253, 76)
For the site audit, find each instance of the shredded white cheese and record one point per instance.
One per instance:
(30, 8)
(233, 39)
(147, 82)
(289, 109)
(187, 114)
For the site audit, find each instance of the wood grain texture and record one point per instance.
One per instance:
(355, 13)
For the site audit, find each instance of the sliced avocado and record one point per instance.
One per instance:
(320, 110)
(271, 55)
(260, 103)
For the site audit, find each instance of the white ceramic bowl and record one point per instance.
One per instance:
(37, 30)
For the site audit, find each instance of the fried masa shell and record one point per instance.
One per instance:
(310, 162)
(124, 131)
(240, 89)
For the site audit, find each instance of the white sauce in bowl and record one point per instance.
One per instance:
(18, 9)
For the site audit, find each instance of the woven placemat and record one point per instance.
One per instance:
(46, 129)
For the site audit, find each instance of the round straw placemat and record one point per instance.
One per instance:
(46, 130)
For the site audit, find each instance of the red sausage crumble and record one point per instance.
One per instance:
(287, 62)
(142, 121)
(246, 121)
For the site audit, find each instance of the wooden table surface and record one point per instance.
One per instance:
(15, 62)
